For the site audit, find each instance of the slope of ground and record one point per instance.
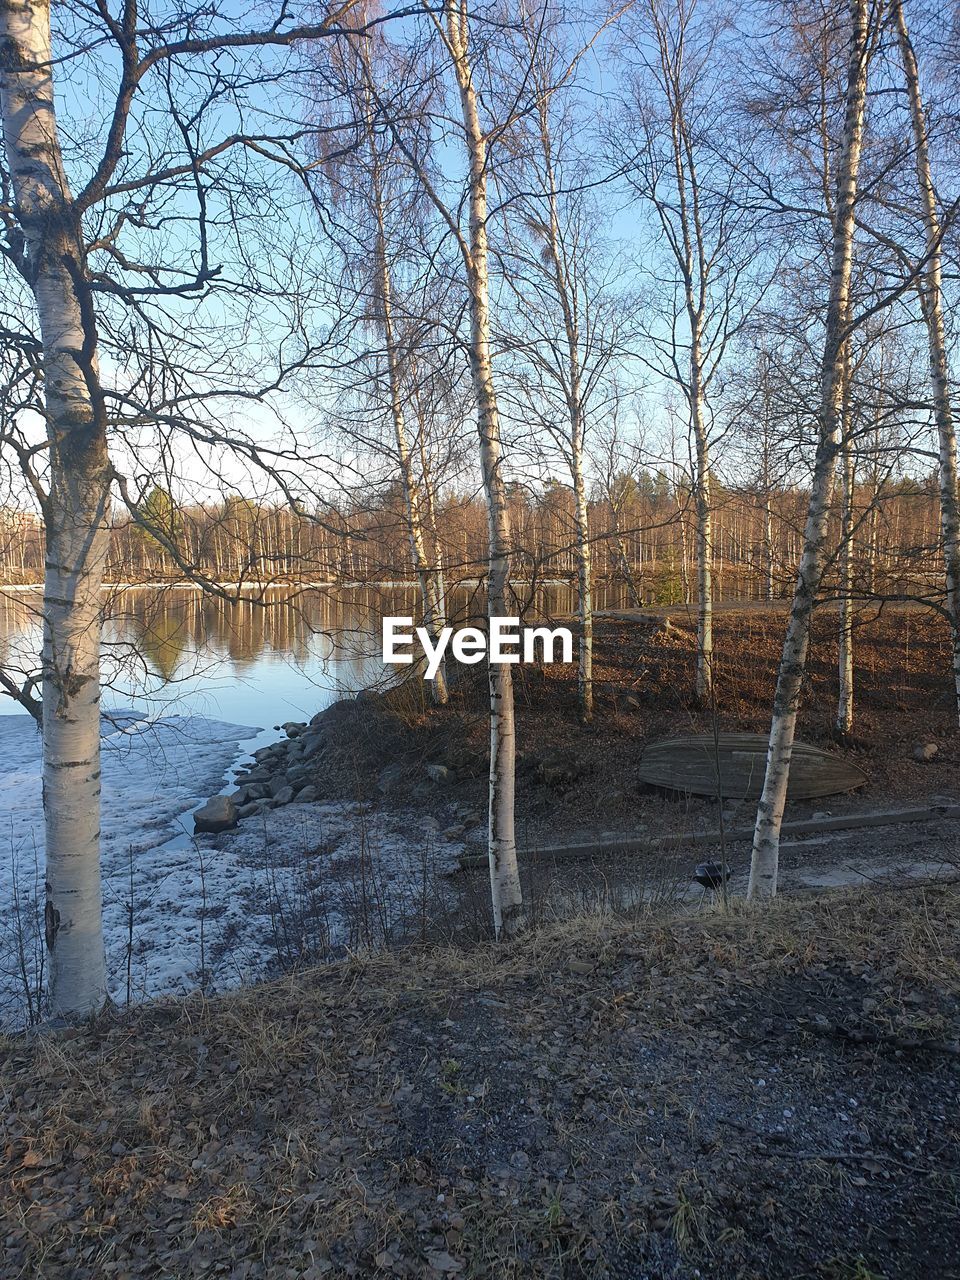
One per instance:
(575, 780)
(725, 1096)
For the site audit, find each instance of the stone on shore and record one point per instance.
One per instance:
(218, 814)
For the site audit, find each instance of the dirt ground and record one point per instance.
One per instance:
(577, 783)
(750, 1096)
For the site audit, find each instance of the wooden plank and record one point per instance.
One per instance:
(735, 835)
(689, 764)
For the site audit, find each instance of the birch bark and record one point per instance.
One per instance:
(931, 298)
(845, 700)
(428, 574)
(75, 513)
(502, 848)
(566, 295)
(766, 839)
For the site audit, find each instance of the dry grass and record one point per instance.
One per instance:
(585, 1102)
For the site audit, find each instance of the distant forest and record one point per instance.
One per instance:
(642, 528)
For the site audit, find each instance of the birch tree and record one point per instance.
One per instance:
(570, 331)
(674, 161)
(478, 135)
(844, 722)
(766, 841)
(930, 290)
(374, 188)
(84, 259)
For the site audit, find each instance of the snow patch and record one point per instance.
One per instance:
(213, 911)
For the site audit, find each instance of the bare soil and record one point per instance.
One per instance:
(579, 782)
(750, 1096)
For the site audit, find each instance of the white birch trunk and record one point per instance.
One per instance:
(766, 840)
(931, 295)
(75, 512)
(576, 415)
(845, 700)
(768, 545)
(584, 576)
(427, 574)
(502, 847)
(704, 532)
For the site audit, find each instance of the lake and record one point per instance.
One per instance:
(280, 655)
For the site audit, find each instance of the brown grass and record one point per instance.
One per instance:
(584, 1102)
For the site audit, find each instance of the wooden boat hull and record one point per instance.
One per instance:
(689, 765)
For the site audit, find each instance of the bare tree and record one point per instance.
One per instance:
(930, 289)
(765, 858)
(93, 282)
(674, 160)
(570, 329)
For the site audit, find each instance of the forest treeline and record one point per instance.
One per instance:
(642, 535)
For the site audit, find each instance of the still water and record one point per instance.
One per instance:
(259, 660)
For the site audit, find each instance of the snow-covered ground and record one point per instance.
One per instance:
(216, 910)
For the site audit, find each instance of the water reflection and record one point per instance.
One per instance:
(265, 657)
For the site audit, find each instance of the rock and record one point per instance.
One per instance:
(924, 752)
(293, 728)
(279, 784)
(218, 814)
(248, 810)
(283, 796)
(257, 791)
(438, 773)
(307, 795)
(256, 775)
(299, 776)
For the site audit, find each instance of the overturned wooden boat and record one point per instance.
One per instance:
(690, 765)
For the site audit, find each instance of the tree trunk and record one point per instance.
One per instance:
(502, 847)
(427, 574)
(584, 576)
(704, 538)
(766, 840)
(576, 415)
(75, 514)
(931, 297)
(845, 701)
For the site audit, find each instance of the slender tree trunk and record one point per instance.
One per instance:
(704, 531)
(504, 874)
(931, 296)
(566, 296)
(845, 701)
(584, 576)
(427, 577)
(766, 840)
(75, 512)
(623, 560)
